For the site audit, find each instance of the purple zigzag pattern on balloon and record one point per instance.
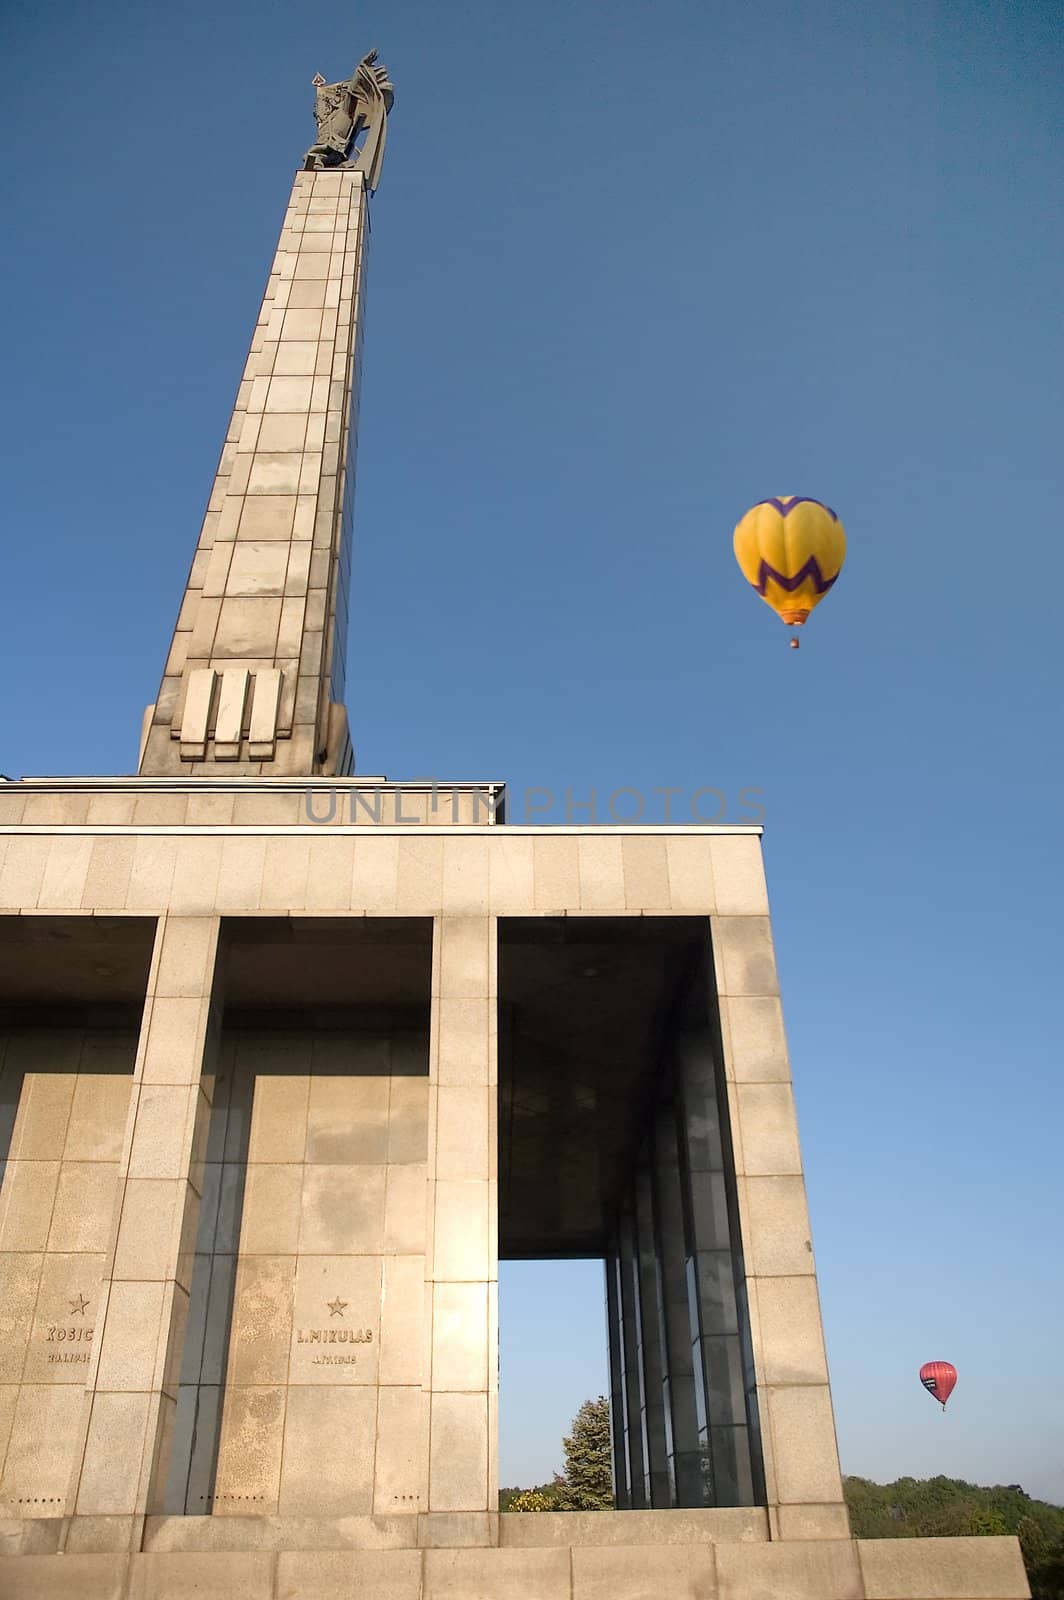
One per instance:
(811, 569)
(799, 500)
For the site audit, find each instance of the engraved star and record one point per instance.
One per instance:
(336, 1307)
(79, 1306)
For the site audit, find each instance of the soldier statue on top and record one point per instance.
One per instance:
(344, 111)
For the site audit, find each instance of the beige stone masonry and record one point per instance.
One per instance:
(56, 1212)
(695, 1569)
(327, 1320)
(408, 1507)
(462, 1271)
(803, 1479)
(130, 1396)
(249, 680)
(320, 806)
(721, 1525)
(941, 1569)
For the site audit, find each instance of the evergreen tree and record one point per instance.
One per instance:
(588, 1480)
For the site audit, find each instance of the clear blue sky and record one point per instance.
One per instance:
(636, 266)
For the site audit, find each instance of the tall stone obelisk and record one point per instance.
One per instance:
(254, 679)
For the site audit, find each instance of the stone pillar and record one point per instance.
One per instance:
(254, 679)
(803, 1482)
(132, 1387)
(462, 1271)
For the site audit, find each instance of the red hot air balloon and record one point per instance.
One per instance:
(939, 1378)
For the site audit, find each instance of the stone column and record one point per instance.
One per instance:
(803, 1482)
(462, 1271)
(132, 1388)
(254, 679)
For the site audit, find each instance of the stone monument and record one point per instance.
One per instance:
(291, 1057)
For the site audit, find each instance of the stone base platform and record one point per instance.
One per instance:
(628, 1555)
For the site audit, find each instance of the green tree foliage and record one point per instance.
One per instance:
(1047, 1575)
(949, 1507)
(588, 1480)
(544, 1497)
(532, 1500)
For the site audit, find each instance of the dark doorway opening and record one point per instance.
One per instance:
(614, 1143)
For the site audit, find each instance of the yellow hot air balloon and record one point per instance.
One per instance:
(791, 549)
